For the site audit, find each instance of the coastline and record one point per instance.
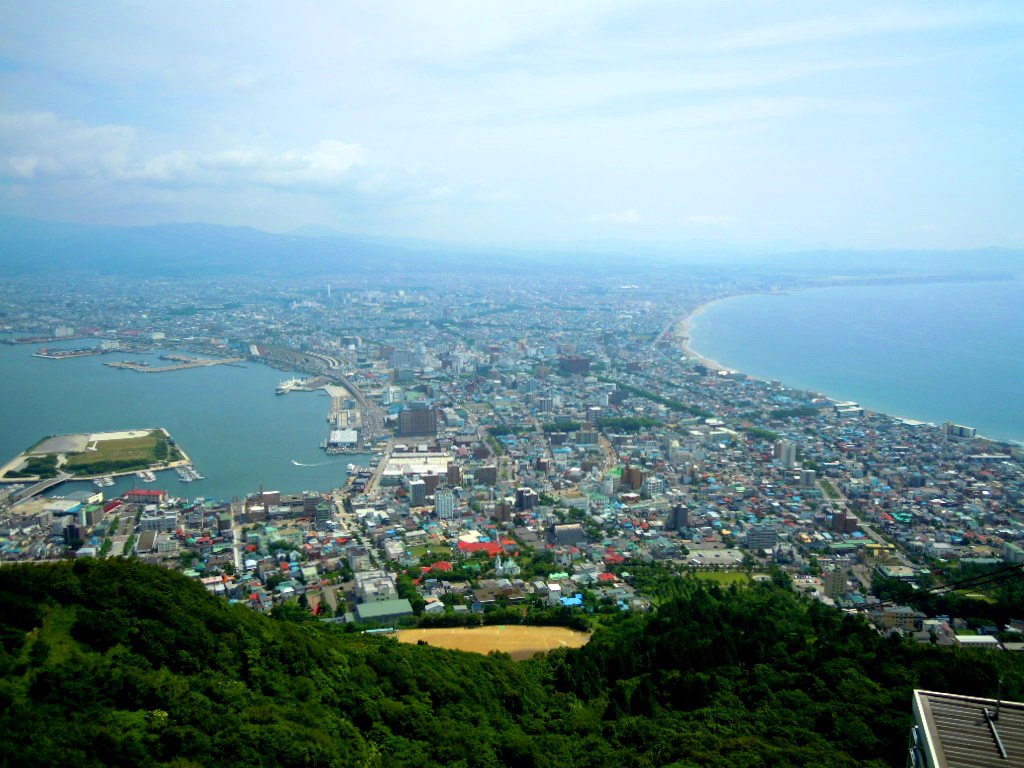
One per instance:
(681, 336)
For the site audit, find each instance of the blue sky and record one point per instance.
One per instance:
(689, 125)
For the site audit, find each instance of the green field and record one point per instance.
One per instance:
(724, 578)
(123, 455)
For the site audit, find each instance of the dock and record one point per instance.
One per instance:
(184, 363)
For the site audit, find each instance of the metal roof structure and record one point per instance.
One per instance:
(953, 731)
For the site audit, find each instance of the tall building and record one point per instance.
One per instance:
(951, 730)
(417, 421)
(834, 582)
(678, 518)
(444, 503)
(526, 498)
(785, 453)
(417, 492)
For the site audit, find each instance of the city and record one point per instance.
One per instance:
(536, 446)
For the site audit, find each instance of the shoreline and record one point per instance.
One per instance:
(683, 326)
(681, 336)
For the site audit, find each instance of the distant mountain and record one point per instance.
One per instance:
(29, 246)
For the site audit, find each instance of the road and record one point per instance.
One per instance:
(843, 503)
(42, 485)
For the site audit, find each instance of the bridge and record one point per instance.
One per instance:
(42, 485)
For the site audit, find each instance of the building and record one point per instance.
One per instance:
(761, 536)
(417, 421)
(785, 453)
(951, 730)
(526, 499)
(167, 522)
(383, 610)
(834, 582)
(417, 492)
(958, 430)
(146, 496)
(678, 518)
(375, 586)
(652, 487)
(444, 503)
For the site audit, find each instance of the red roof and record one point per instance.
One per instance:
(490, 547)
(606, 577)
(441, 565)
(146, 492)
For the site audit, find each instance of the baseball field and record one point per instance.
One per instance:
(517, 641)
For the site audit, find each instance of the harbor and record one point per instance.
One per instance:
(180, 363)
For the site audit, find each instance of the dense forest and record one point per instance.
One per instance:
(111, 662)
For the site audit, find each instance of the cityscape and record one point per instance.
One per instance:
(467, 384)
(528, 443)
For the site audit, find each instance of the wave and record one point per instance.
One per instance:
(300, 464)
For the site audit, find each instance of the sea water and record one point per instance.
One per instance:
(236, 430)
(935, 352)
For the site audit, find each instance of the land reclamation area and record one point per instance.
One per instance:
(96, 454)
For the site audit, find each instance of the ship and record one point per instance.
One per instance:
(287, 386)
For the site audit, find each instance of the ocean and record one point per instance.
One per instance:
(935, 352)
(236, 430)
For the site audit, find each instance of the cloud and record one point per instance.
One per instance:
(42, 146)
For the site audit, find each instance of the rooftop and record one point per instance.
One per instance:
(968, 732)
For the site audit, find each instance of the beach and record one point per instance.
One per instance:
(681, 335)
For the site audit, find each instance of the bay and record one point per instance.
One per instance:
(935, 352)
(236, 430)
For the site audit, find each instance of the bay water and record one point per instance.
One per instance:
(236, 430)
(930, 351)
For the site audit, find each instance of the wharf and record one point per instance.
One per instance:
(185, 362)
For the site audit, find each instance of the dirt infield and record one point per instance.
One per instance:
(519, 642)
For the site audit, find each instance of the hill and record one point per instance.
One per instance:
(116, 663)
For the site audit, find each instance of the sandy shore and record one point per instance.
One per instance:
(681, 336)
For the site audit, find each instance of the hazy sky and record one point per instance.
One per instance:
(751, 124)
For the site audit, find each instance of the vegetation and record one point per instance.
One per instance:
(124, 455)
(675, 405)
(44, 466)
(790, 413)
(140, 666)
(829, 489)
(762, 434)
(627, 423)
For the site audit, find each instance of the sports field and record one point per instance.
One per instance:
(519, 642)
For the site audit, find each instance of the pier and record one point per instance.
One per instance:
(184, 363)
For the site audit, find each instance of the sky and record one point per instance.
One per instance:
(680, 125)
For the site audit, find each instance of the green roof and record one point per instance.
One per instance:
(384, 609)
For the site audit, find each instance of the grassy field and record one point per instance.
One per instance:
(134, 449)
(724, 578)
(519, 642)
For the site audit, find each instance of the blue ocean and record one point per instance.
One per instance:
(935, 352)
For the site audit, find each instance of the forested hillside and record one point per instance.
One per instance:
(116, 663)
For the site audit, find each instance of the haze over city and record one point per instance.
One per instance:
(683, 126)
